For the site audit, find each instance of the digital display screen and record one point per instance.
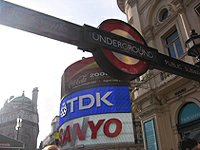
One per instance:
(101, 100)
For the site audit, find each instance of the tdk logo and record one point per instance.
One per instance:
(63, 110)
(84, 102)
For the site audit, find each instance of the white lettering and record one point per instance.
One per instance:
(96, 38)
(122, 45)
(71, 102)
(86, 97)
(86, 101)
(99, 99)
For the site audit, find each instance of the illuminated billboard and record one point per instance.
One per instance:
(85, 74)
(105, 130)
(101, 100)
(95, 109)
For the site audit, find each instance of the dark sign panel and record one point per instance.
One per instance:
(178, 67)
(120, 44)
(120, 65)
(157, 60)
(39, 23)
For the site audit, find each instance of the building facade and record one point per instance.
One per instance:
(51, 138)
(166, 105)
(25, 109)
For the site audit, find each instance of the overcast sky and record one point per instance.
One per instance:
(28, 60)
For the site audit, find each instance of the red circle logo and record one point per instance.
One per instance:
(118, 65)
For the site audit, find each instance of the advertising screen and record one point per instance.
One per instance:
(95, 109)
(85, 74)
(99, 131)
(101, 100)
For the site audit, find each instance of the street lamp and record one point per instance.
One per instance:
(18, 125)
(193, 45)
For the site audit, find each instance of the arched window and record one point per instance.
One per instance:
(189, 113)
(164, 13)
(173, 44)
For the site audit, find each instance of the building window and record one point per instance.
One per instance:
(174, 45)
(197, 9)
(150, 134)
(164, 13)
(189, 113)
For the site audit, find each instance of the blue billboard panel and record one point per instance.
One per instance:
(101, 100)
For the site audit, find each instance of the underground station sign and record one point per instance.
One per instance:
(117, 47)
(122, 66)
(134, 49)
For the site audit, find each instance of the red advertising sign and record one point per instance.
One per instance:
(103, 131)
(119, 65)
(75, 129)
(85, 74)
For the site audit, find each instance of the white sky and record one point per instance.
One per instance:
(28, 60)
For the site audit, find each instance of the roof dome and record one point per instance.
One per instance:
(22, 98)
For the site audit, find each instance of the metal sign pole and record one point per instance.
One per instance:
(86, 38)
(38, 23)
(136, 50)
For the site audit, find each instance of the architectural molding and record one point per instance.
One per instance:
(121, 5)
(172, 12)
(159, 26)
(145, 5)
(188, 2)
(132, 2)
(148, 33)
(176, 2)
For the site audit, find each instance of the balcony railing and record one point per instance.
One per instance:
(154, 81)
(150, 83)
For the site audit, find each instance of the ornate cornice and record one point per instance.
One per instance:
(178, 5)
(122, 3)
(148, 33)
(131, 2)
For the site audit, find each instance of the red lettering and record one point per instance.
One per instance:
(94, 128)
(79, 132)
(70, 132)
(61, 134)
(118, 128)
(65, 135)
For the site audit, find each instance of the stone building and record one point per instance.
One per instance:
(50, 139)
(166, 105)
(26, 109)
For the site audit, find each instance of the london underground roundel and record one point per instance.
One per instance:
(118, 65)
